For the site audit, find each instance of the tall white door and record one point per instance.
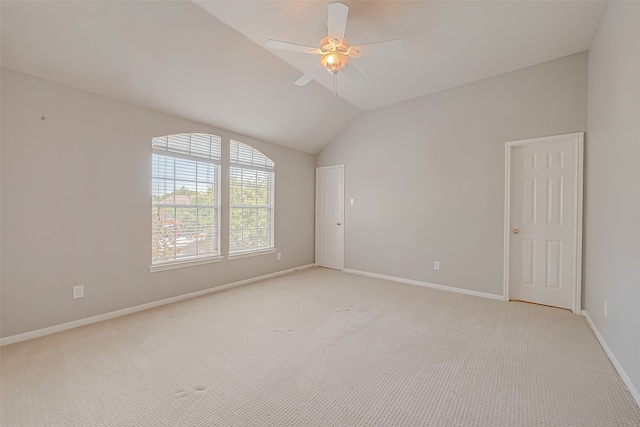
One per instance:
(330, 216)
(544, 220)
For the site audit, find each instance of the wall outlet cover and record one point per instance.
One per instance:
(78, 291)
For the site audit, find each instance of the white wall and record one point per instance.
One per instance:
(76, 194)
(612, 185)
(427, 175)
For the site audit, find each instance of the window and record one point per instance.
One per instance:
(251, 199)
(185, 204)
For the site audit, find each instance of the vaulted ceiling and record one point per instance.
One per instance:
(206, 60)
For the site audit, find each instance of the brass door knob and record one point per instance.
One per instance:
(516, 231)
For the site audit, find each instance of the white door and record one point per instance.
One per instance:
(330, 216)
(544, 227)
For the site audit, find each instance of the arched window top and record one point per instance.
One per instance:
(243, 154)
(191, 144)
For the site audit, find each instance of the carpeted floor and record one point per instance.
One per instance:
(320, 348)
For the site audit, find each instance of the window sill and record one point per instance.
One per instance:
(186, 263)
(252, 253)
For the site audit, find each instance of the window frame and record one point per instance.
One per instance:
(259, 163)
(200, 157)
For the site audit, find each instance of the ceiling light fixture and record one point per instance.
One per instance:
(333, 61)
(334, 57)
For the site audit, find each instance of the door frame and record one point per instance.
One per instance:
(315, 255)
(578, 138)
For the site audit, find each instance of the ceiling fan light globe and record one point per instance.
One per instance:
(334, 61)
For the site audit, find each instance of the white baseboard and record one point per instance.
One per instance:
(99, 318)
(614, 361)
(426, 284)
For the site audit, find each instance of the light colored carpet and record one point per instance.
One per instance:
(320, 348)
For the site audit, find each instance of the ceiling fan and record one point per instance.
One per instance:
(335, 52)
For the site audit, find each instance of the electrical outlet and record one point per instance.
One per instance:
(436, 265)
(78, 291)
(605, 309)
(278, 256)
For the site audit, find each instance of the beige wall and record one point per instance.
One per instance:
(76, 194)
(612, 185)
(427, 175)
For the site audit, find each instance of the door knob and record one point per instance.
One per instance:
(516, 231)
(338, 224)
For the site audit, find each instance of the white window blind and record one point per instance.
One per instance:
(190, 144)
(251, 199)
(185, 200)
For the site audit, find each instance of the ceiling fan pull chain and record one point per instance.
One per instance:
(335, 83)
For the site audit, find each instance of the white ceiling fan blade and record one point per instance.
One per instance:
(277, 44)
(375, 49)
(309, 75)
(337, 21)
(353, 74)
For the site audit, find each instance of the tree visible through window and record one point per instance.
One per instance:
(185, 206)
(251, 199)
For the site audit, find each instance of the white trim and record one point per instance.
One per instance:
(425, 284)
(623, 375)
(577, 232)
(578, 202)
(106, 316)
(239, 255)
(507, 222)
(186, 263)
